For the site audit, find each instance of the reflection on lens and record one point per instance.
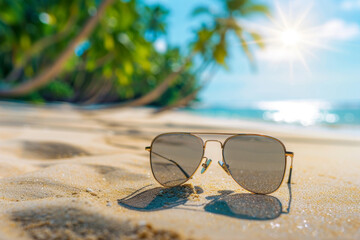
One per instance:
(257, 163)
(175, 157)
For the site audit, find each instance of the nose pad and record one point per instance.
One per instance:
(205, 165)
(224, 166)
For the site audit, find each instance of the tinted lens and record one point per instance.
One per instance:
(175, 157)
(256, 163)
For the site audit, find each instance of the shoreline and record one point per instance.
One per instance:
(343, 131)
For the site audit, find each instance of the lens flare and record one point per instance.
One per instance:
(290, 37)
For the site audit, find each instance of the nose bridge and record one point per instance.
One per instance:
(211, 140)
(221, 162)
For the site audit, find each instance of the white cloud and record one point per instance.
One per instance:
(337, 29)
(350, 5)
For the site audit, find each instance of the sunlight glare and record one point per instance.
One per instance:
(290, 38)
(305, 113)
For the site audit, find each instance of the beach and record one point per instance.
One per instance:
(67, 173)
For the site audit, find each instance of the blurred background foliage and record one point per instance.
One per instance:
(117, 62)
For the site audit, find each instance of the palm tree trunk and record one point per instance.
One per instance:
(102, 90)
(38, 47)
(156, 92)
(185, 101)
(56, 68)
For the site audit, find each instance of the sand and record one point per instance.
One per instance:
(71, 174)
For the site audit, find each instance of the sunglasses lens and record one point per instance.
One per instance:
(175, 157)
(256, 163)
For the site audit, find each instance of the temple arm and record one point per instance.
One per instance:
(170, 160)
(291, 155)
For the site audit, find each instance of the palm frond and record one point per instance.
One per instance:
(258, 39)
(234, 5)
(245, 46)
(220, 51)
(201, 10)
(250, 9)
(204, 35)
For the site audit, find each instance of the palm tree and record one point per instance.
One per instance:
(54, 69)
(213, 38)
(212, 42)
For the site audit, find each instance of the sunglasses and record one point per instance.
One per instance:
(256, 162)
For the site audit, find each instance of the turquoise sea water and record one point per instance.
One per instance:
(304, 113)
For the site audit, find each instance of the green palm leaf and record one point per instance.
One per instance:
(258, 39)
(254, 9)
(202, 10)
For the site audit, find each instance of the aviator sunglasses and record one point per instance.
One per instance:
(256, 162)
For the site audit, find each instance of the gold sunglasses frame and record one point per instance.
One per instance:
(224, 166)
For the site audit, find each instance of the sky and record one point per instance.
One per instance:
(317, 60)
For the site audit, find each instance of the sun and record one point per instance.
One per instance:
(290, 37)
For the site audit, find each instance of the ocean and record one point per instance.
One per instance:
(305, 113)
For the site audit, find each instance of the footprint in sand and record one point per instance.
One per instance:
(73, 222)
(50, 150)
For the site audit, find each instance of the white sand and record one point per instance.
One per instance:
(85, 175)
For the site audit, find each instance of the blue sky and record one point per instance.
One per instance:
(331, 50)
